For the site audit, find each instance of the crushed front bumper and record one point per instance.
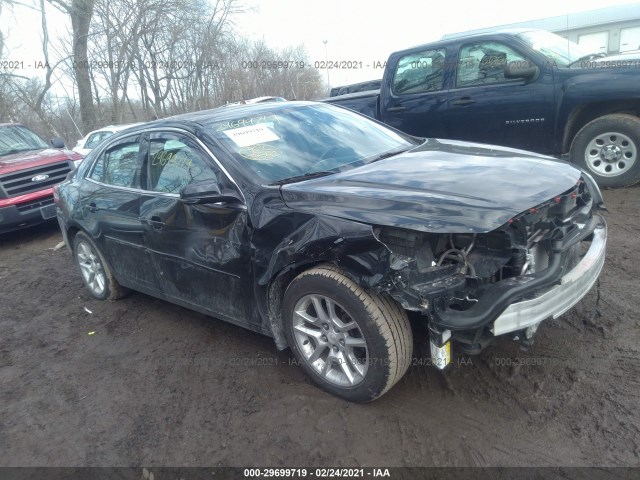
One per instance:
(553, 303)
(519, 302)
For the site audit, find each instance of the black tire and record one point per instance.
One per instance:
(608, 148)
(88, 257)
(380, 323)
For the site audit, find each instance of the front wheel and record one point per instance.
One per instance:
(608, 149)
(352, 343)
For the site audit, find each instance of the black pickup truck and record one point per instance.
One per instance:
(526, 89)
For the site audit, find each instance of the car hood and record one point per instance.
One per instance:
(34, 158)
(442, 186)
(619, 57)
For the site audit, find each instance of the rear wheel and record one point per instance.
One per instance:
(96, 274)
(608, 148)
(353, 343)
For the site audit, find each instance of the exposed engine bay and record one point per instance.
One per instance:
(462, 282)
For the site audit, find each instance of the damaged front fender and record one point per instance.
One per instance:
(356, 248)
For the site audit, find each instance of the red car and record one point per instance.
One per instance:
(29, 168)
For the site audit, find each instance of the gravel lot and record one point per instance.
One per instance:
(157, 384)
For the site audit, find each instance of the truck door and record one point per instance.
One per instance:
(417, 100)
(487, 107)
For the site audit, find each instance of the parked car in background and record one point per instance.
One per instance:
(325, 230)
(526, 89)
(93, 139)
(29, 168)
(257, 100)
(356, 88)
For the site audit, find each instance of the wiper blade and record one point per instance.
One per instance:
(16, 150)
(591, 56)
(304, 176)
(388, 154)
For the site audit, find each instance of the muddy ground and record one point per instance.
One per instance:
(159, 385)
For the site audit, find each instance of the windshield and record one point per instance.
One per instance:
(17, 138)
(302, 140)
(557, 49)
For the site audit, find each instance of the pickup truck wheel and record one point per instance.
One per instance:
(353, 343)
(95, 272)
(608, 149)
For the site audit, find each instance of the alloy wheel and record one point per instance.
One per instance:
(330, 340)
(91, 268)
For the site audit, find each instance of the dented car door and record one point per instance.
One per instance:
(200, 251)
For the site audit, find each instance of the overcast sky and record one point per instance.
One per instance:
(356, 30)
(365, 30)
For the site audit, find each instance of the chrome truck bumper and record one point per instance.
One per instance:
(553, 303)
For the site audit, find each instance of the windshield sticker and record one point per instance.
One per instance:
(251, 135)
(245, 122)
(260, 153)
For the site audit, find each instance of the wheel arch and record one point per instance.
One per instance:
(71, 233)
(275, 295)
(348, 266)
(582, 115)
(315, 239)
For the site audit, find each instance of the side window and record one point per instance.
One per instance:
(119, 164)
(419, 72)
(483, 63)
(93, 140)
(174, 162)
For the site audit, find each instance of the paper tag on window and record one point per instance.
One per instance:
(251, 135)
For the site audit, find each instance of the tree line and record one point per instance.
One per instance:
(138, 60)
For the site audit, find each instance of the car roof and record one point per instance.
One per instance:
(228, 112)
(448, 39)
(497, 31)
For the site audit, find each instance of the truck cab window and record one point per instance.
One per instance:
(419, 72)
(483, 63)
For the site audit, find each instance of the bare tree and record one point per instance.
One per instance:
(30, 91)
(144, 59)
(80, 12)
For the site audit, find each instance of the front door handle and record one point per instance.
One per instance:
(93, 208)
(463, 101)
(156, 223)
(396, 109)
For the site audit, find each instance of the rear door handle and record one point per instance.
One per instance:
(463, 101)
(396, 109)
(93, 208)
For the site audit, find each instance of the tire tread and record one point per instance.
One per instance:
(391, 320)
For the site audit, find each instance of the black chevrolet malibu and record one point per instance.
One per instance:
(327, 231)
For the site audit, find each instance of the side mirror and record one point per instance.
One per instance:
(57, 142)
(517, 69)
(206, 191)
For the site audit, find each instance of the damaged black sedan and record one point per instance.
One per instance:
(327, 230)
